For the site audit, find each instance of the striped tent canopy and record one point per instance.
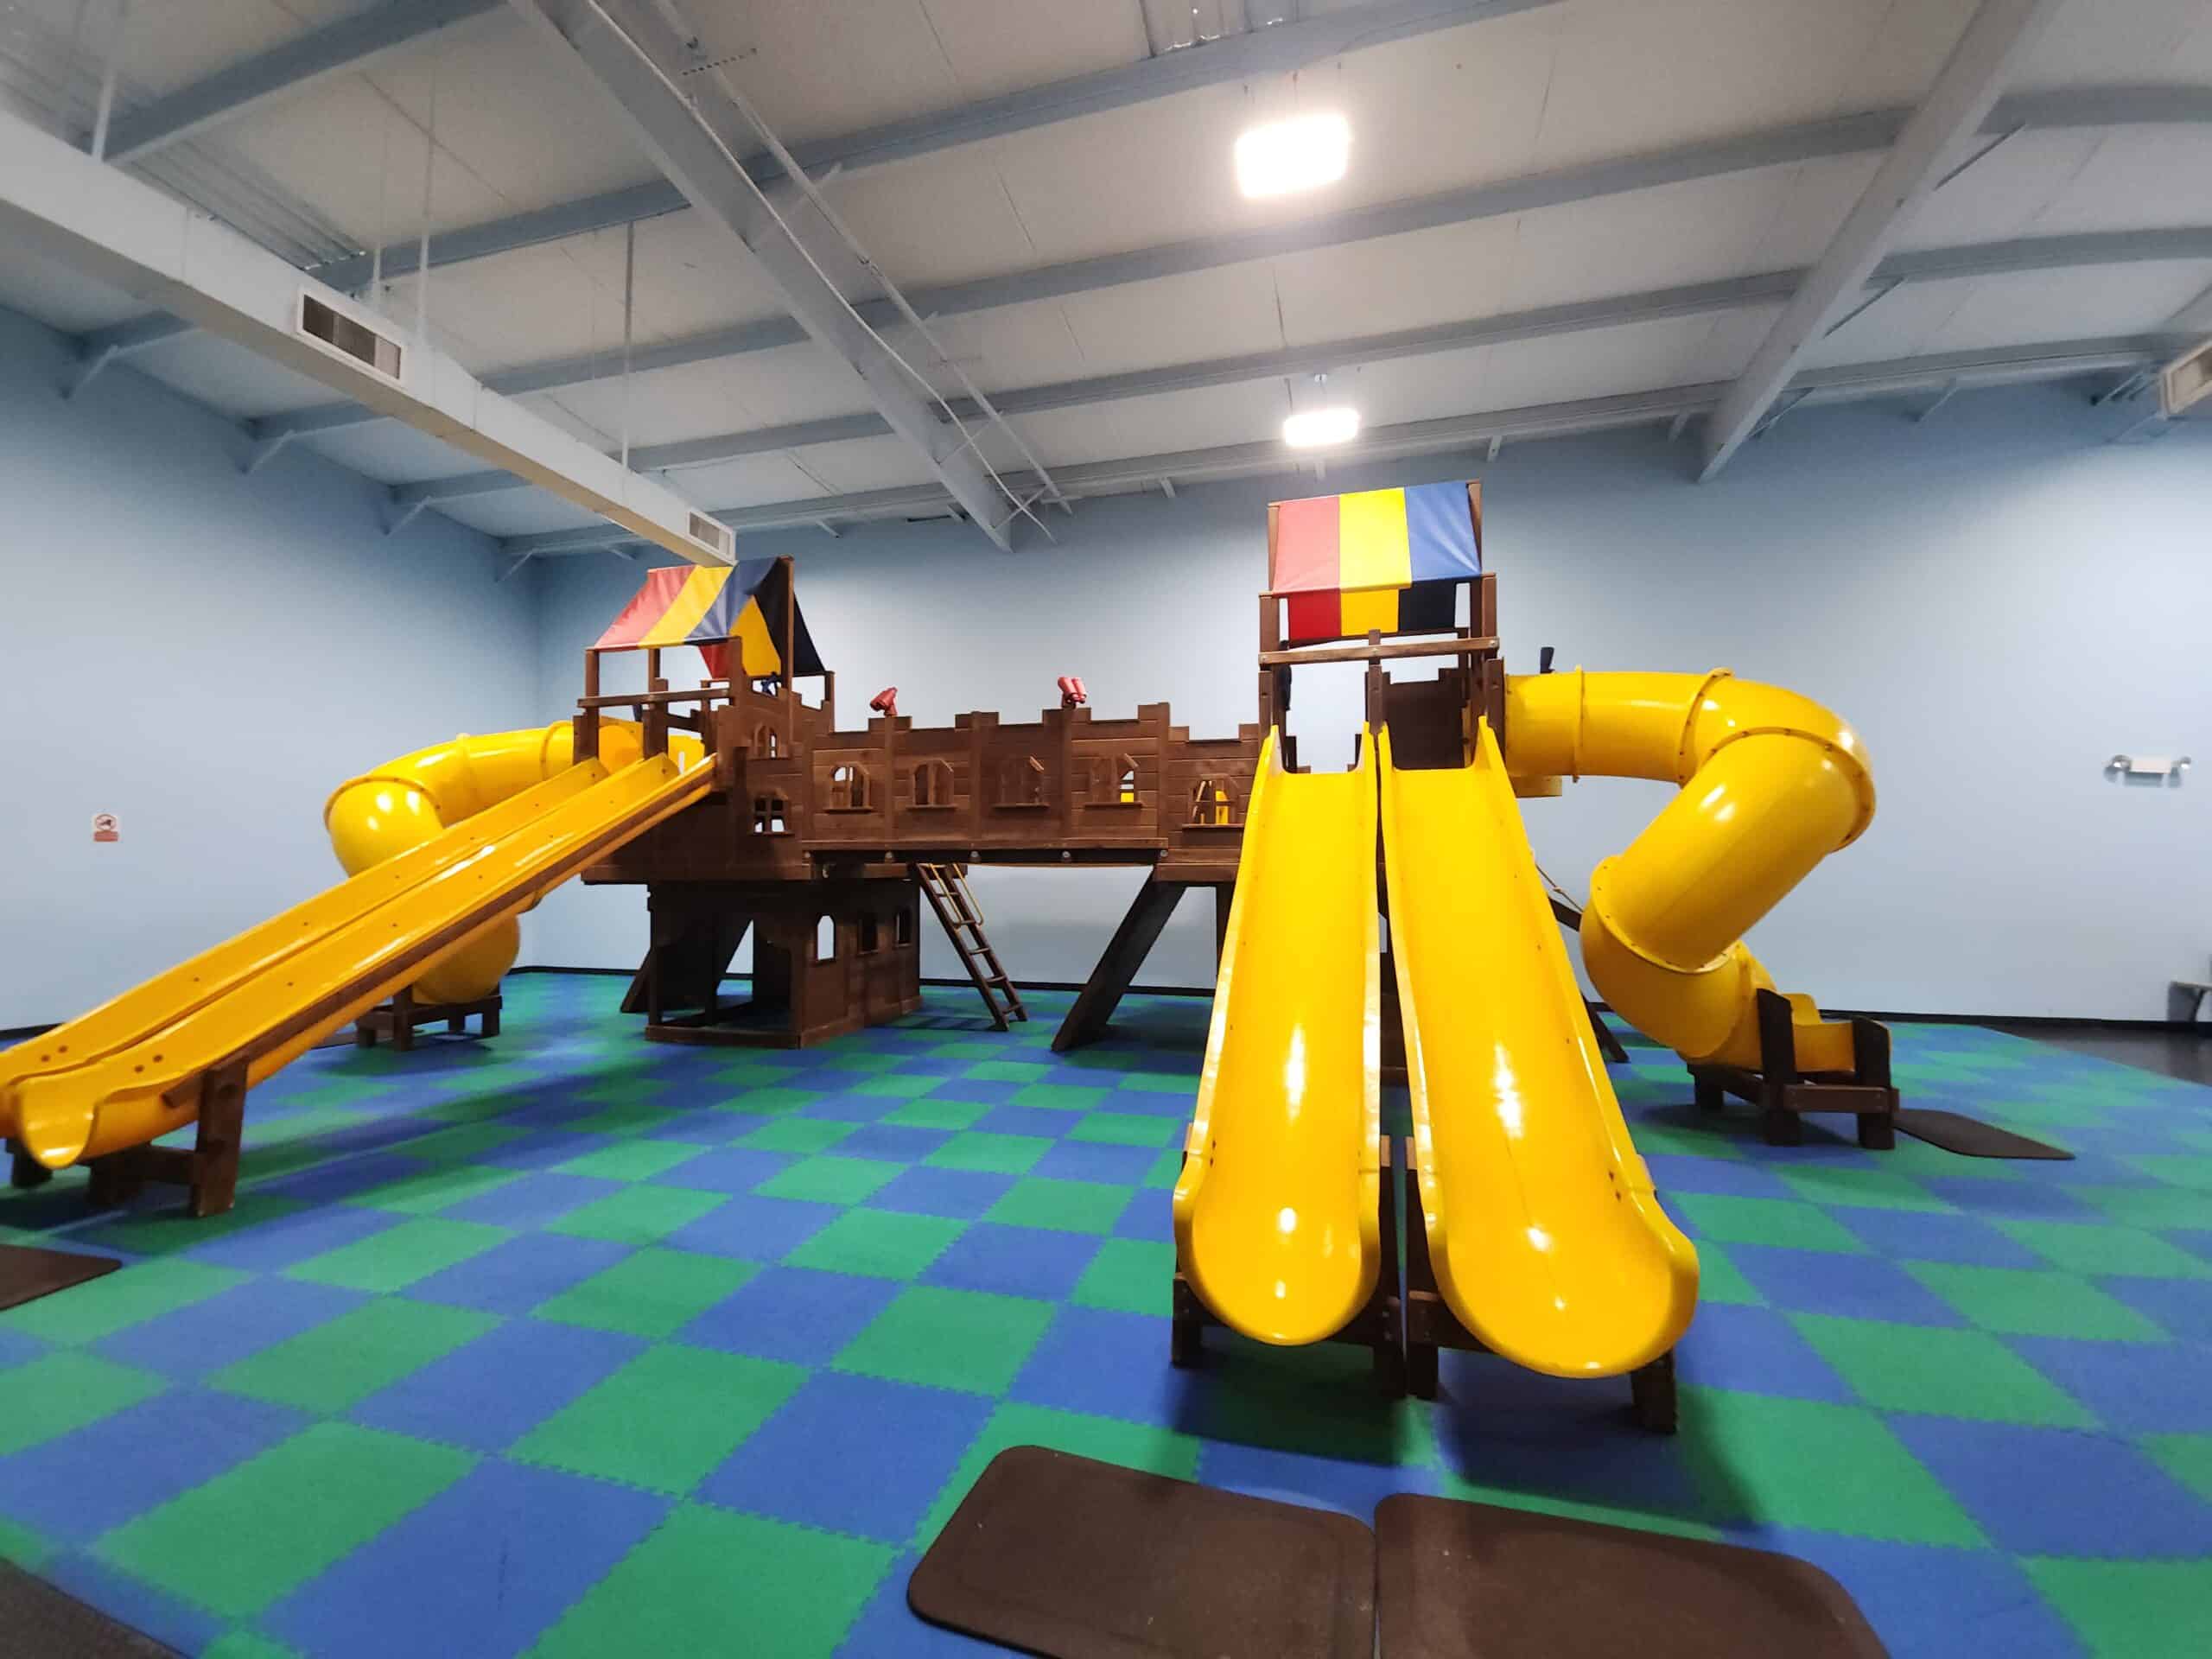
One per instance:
(714, 608)
(1377, 559)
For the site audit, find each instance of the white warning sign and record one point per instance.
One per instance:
(106, 827)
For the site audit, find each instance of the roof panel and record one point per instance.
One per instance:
(1699, 231)
(939, 218)
(745, 481)
(660, 407)
(816, 67)
(1015, 345)
(2070, 304)
(1175, 319)
(2004, 193)
(864, 464)
(2143, 40)
(1395, 283)
(1002, 46)
(2138, 178)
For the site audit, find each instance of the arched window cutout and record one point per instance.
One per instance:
(902, 927)
(848, 790)
(825, 939)
(1024, 782)
(771, 816)
(766, 744)
(933, 783)
(1214, 802)
(1114, 781)
(871, 935)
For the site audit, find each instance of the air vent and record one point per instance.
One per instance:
(712, 532)
(2185, 386)
(344, 335)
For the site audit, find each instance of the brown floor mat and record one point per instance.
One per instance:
(26, 1274)
(1060, 1556)
(1474, 1581)
(1970, 1137)
(35, 1618)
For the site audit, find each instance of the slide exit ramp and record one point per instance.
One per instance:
(1547, 1240)
(1276, 1223)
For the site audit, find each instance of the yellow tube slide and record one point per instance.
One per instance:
(1277, 1217)
(1546, 1238)
(266, 1018)
(1771, 783)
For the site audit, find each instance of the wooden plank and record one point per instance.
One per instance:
(1117, 971)
(1480, 645)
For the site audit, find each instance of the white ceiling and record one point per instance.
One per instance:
(518, 128)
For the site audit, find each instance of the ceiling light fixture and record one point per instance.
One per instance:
(1315, 428)
(1284, 158)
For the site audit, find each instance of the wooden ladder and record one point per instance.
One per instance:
(946, 886)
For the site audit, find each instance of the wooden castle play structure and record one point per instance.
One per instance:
(1383, 924)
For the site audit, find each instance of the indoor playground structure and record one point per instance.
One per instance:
(1386, 922)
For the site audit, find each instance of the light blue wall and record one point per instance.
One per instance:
(207, 655)
(1998, 600)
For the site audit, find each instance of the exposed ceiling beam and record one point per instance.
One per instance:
(693, 129)
(1965, 89)
(57, 200)
(284, 70)
(1693, 299)
(1275, 50)
(1849, 134)
(2055, 360)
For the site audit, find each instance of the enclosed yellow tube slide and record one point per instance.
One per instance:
(1277, 1217)
(126, 1072)
(1547, 1240)
(1771, 783)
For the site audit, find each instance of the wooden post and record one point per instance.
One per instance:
(587, 738)
(656, 714)
(222, 1129)
(789, 650)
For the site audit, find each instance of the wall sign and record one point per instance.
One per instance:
(106, 827)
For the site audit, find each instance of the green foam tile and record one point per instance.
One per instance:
(708, 1581)
(649, 1292)
(989, 1153)
(996, 1070)
(2034, 1302)
(397, 1257)
(56, 1393)
(638, 1215)
(2131, 1609)
(1134, 1275)
(1126, 1129)
(1736, 1220)
(971, 1340)
(930, 1113)
(663, 1421)
(236, 1543)
(1865, 1188)
(1061, 1206)
(101, 1306)
(2107, 1248)
(800, 1134)
(1155, 1448)
(1945, 1373)
(632, 1160)
(429, 1191)
(830, 1179)
(877, 1244)
(335, 1364)
(1059, 1097)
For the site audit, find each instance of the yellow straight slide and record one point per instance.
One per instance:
(146, 1087)
(1545, 1235)
(1275, 1210)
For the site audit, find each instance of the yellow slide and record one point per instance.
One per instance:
(1543, 1229)
(1275, 1210)
(130, 1071)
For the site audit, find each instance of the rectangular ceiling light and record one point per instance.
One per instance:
(1313, 429)
(1284, 158)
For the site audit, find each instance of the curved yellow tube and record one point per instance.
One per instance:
(1771, 783)
(1276, 1210)
(1543, 1227)
(411, 800)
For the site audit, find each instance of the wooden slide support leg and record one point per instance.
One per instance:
(25, 1170)
(1424, 1304)
(1390, 1369)
(215, 1154)
(1186, 1331)
(1651, 1395)
(1711, 1096)
(1117, 968)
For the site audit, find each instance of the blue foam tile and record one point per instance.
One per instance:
(1757, 1350)
(544, 1148)
(1937, 1235)
(700, 1126)
(850, 1106)
(517, 1274)
(726, 1169)
(1097, 1161)
(1830, 1282)
(1149, 1214)
(2138, 1388)
(192, 1342)
(81, 1484)
(895, 1445)
(16, 1347)
(1013, 1261)
(1335, 1484)
(539, 1197)
(341, 1178)
(2057, 1491)
(287, 1240)
(961, 1194)
(129, 1600)
(753, 1229)
(2182, 1307)
(796, 1314)
(481, 1569)
(1675, 1171)
(1108, 1364)
(1148, 1102)
(894, 1142)
(487, 1393)
(1935, 1604)
(1026, 1120)
(888, 1629)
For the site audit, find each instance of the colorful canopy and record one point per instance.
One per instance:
(712, 606)
(1383, 559)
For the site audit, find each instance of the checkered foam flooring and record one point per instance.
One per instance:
(569, 1344)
